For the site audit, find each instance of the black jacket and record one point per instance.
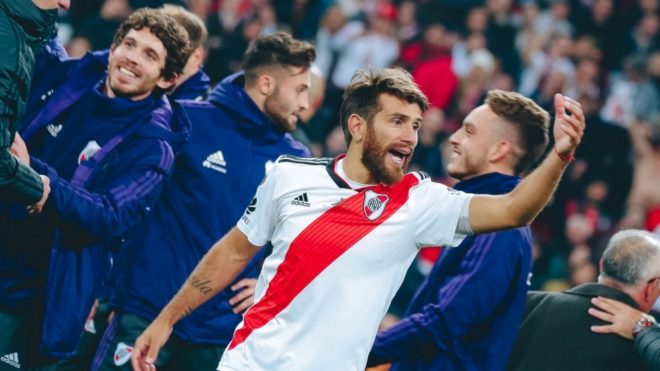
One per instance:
(647, 345)
(23, 27)
(555, 334)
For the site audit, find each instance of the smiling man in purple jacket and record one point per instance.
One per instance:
(466, 313)
(105, 136)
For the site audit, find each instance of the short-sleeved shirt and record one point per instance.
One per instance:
(339, 256)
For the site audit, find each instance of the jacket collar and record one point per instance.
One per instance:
(595, 289)
(194, 88)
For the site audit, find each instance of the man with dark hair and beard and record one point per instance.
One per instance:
(101, 129)
(344, 232)
(236, 137)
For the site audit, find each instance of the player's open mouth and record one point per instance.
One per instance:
(398, 157)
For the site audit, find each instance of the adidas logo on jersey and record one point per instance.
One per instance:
(216, 161)
(11, 359)
(301, 200)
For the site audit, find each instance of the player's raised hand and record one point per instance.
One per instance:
(569, 126)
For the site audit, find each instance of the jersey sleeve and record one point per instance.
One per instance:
(437, 210)
(259, 219)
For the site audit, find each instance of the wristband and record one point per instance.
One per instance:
(565, 158)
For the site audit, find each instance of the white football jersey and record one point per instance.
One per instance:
(339, 256)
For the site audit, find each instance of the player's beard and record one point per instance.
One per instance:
(374, 157)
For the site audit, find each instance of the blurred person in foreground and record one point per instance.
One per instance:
(25, 26)
(555, 335)
(465, 314)
(643, 206)
(348, 229)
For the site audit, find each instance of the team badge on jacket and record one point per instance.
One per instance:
(122, 354)
(89, 151)
(374, 204)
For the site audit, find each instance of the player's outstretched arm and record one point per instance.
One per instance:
(224, 261)
(522, 205)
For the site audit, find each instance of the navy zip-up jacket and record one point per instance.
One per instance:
(107, 195)
(194, 88)
(465, 315)
(232, 145)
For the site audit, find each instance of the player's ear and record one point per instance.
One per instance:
(357, 126)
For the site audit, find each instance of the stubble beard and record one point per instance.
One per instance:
(272, 108)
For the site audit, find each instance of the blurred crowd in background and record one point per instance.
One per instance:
(604, 53)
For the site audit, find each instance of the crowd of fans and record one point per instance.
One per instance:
(604, 53)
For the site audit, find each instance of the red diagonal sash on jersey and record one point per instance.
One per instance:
(316, 247)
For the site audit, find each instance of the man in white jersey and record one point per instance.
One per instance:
(344, 232)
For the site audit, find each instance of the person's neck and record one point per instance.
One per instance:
(354, 168)
(629, 290)
(256, 97)
(505, 170)
(185, 76)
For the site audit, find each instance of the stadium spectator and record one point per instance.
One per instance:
(643, 207)
(432, 68)
(98, 30)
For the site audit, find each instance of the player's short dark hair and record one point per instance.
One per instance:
(528, 118)
(362, 93)
(173, 36)
(277, 50)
